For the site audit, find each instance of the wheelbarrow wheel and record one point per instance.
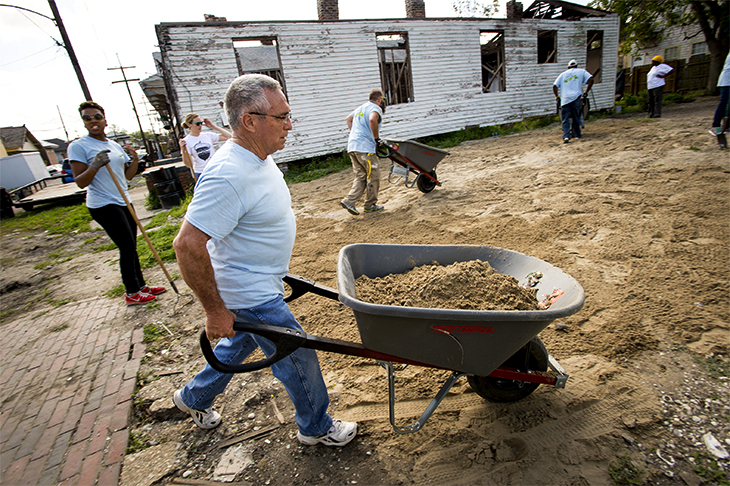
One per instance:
(502, 390)
(425, 184)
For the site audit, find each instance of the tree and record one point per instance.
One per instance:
(643, 23)
(473, 8)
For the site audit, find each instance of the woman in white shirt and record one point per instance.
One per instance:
(199, 144)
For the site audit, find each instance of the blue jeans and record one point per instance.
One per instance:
(722, 108)
(568, 111)
(299, 372)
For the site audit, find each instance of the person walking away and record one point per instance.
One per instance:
(199, 144)
(655, 85)
(568, 87)
(88, 155)
(723, 108)
(233, 250)
(364, 124)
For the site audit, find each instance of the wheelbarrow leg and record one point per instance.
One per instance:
(418, 424)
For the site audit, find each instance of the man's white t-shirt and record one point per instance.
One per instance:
(244, 205)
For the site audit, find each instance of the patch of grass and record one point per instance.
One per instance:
(697, 149)
(708, 469)
(161, 239)
(59, 328)
(51, 262)
(316, 168)
(6, 313)
(151, 333)
(106, 247)
(60, 302)
(117, 291)
(89, 241)
(62, 219)
(452, 139)
(154, 305)
(715, 366)
(152, 202)
(623, 471)
(160, 219)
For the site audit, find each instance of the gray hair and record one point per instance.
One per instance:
(247, 94)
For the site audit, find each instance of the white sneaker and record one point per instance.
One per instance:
(207, 419)
(341, 433)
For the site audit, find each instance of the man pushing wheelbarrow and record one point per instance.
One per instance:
(364, 124)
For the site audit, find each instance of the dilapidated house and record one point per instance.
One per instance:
(439, 75)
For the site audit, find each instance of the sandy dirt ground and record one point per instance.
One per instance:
(638, 212)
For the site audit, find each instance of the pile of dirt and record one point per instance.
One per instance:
(470, 285)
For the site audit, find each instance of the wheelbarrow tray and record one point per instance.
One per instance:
(469, 341)
(424, 156)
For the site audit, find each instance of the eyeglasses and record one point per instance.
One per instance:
(285, 118)
(97, 116)
(197, 123)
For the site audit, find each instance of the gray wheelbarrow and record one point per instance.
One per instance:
(410, 158)
(498, 351)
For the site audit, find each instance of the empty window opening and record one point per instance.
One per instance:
(594, 54)
(259, 56)
(492, 48)
(547, 46)
(395, 67)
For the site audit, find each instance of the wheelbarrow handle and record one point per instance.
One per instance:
(285, 340)
(301, 285)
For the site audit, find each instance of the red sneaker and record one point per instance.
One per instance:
(139, 298)
(152, 290)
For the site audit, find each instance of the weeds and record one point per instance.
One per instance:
(151, 333)
(708, 469)
(453, 139)
(316, 168)
(117, 291)
(59, 328)
(60, 302)
(136, 443)
(623, 471)
(715, 366)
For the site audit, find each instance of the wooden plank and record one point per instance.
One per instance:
(50, 194)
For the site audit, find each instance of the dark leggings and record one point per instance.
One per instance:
(119, 224)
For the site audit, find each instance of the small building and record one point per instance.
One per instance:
(439, 74)
(19, 140)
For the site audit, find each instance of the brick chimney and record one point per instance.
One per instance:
(514, 9)
(415, 9)
(328, 10)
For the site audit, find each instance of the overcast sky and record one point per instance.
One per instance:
(39, 87)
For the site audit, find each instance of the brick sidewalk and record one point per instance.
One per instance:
(67, 379)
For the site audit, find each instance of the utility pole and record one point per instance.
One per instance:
(69, 49)
(126, 82)
(62, 124)
(66, 42)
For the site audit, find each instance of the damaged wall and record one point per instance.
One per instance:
(328, 69)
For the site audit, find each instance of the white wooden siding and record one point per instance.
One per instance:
(330, 67)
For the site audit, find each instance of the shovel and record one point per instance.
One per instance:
(141, 228)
